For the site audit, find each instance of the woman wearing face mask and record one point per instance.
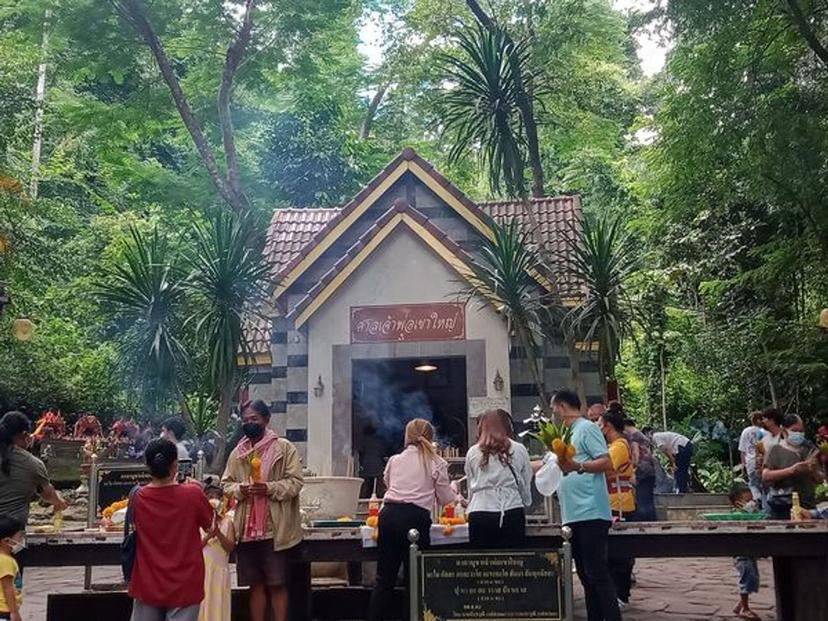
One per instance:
(22, 475)
(217, 547)
(791, 466)
(264, 473)
(167, 582)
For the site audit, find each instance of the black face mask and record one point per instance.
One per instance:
(254, 431)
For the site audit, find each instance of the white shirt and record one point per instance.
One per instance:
(669, 441)
(493, 487)
(747, 445)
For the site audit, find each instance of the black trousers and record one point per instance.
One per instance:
(395, 521)
(589, 549)
(683, 457)
(368, 483)
(486, 531)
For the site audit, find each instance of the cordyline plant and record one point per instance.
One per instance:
(503, 276)
(221, 280)
(601, 258)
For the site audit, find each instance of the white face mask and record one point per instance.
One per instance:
(215, 503)
(750, 507)
(16, 545)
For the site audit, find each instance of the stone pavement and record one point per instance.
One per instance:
(689, 589)
(695, 589)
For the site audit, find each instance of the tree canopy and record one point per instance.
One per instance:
(714, 170)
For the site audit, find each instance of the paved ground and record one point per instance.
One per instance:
(668, 590)
(693, 589)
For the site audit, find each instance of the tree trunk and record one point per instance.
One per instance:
(801, 22)
(522, 99)
(40, 103)
(525, 337)
(575, 367)
(233, 58)
(373, 105)
(222, 422)
(135, 14)
(663, 387)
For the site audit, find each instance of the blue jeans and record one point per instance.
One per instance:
(748, 575)
(683, 457)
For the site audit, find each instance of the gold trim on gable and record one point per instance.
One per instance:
(450, 199)
(401, 218)
(329, 239)
(253, 360)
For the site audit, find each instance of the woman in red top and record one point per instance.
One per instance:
(168, 576)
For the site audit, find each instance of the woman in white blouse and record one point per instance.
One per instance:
(499, 478)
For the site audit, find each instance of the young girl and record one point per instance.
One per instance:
(217, 547)
(413, 479)
(500, 484)
(11, 542)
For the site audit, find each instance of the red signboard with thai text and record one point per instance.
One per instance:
(408, 322)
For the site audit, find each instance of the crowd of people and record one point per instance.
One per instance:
(185, 531)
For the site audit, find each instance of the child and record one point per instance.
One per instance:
(11, 542)
(218, 545)
(742, 500)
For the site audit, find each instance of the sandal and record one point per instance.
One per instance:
(748, 614)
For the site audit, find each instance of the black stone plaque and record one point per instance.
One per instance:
(116, 480)
(508, 585)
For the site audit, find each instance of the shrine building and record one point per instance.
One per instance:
(371, 322)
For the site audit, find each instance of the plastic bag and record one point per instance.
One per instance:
(548, 478)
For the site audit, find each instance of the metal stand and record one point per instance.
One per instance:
(413, 550)
(569, 599)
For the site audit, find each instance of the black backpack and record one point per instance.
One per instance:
(129, 546)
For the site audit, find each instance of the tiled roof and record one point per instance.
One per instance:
(257, 332)
(399, 206)
(405, 160)
(291, 231)
(559, 217)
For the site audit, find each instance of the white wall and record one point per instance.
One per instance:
(403, 270)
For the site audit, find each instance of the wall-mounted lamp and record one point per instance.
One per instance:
(319, 388)
(498, 381)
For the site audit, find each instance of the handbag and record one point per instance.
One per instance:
(129, 546)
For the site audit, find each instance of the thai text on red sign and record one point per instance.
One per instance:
(408, 322)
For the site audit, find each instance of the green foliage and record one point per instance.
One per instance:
(145, 291)
(502, 275)
(481, 110)
(227, 275)
(603, 260)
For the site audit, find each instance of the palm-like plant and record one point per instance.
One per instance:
(481, 107)
(502, 274)
(602, 258)
(227, 271)
(145, 290)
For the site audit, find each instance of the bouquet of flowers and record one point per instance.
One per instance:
(557, 438)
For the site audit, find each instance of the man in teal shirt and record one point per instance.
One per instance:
(585, 507)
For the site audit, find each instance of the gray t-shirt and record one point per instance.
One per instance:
(27, 476)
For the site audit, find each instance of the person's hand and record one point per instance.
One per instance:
(60, 504)
(802, 467)
(244, 490)
(258, 489)
(15, 616)
(568, 465)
